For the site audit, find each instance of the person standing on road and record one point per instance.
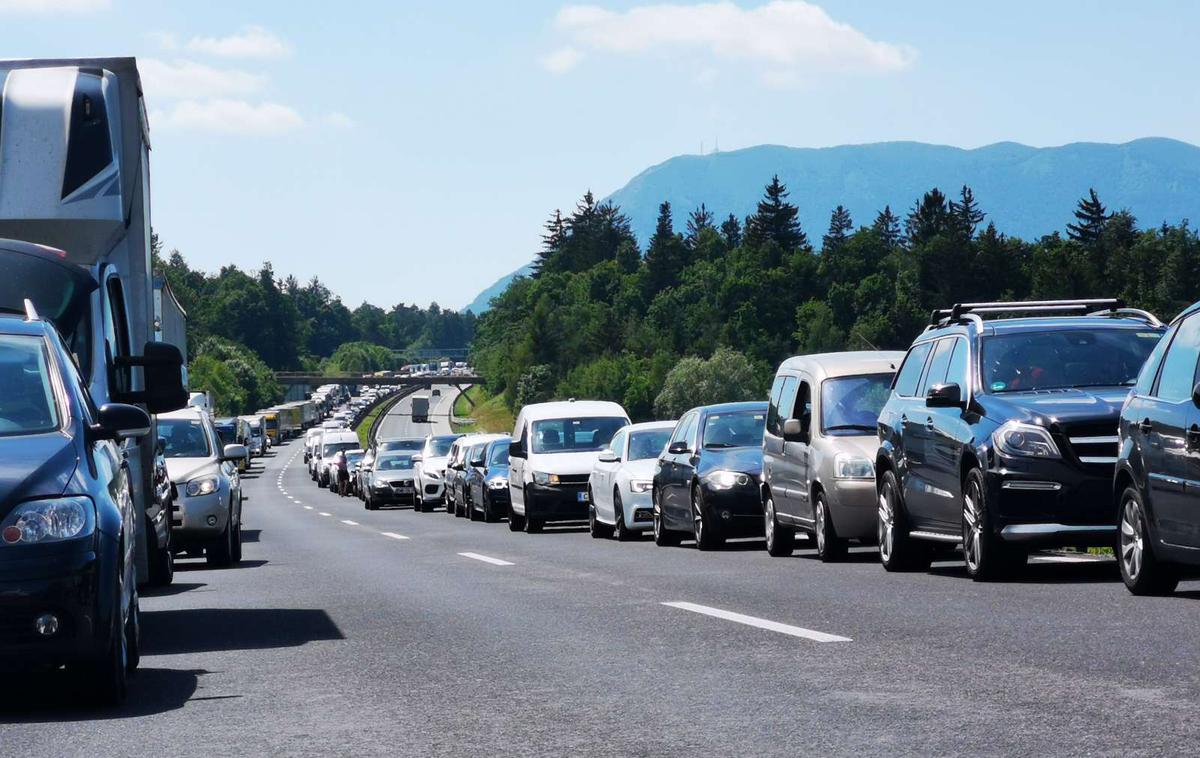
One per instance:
(343, 473)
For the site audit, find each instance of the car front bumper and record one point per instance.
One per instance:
(854, 507)
(560, 502)
(199, 518)
(637, 508)
(1052, 503)
(433, 488)
(735, 512)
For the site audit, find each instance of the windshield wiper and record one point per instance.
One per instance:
(717, 445)
(848, 427)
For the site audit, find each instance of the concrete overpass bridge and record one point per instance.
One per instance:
(301, 383)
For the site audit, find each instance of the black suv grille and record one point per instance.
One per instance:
(1092, 442)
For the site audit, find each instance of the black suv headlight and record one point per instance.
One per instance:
(1020, 440)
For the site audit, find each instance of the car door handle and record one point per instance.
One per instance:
(903, 418)
(929, 423)
(1193, 437)
(1146, 427)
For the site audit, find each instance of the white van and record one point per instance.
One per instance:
(332, 442)
(554, 447)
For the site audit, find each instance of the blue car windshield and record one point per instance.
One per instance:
(499, 456)
(737, 429)
(1066, 358)
(27, 404)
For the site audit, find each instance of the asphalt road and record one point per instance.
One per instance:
(348, 632)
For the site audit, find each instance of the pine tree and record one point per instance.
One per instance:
(965, 214)
(840, 226)
(731, 230)
(775, 220)
(666, 254)
(552, 243)
(1092, 218)
(887, 226)
(698, 220)
(928, 218)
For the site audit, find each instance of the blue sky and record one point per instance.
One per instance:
(410, 151)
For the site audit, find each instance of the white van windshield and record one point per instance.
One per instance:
(574, 435)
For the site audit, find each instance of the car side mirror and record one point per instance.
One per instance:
(677, 448)
(609, 456)
(1196, 395)
(477, 463)
(944, 396)
(233, 453)
(793, 430)
(418, 458)
(515, 451)
(118, 421)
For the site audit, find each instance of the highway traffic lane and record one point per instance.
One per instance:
(398, 421)
(1060, 634)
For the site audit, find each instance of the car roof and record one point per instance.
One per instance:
(649, 425)
(572, 409)
(752, 405)
(338, 435)
(184, 413)
(850, 363)
(15, 323)
(1043, 324)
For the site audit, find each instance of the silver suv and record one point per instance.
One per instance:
(819, 449)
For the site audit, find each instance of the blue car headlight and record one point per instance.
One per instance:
(52, 520)
(497, 483)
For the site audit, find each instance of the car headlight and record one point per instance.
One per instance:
(724, 480)
(847, 466)
(498, 483)
(205, 485)
(640, 485)
(541, 478)
(1021, 440)
(54, 520)
(434, 473)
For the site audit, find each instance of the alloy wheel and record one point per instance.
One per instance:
(769, 517)
(972, 529)
(1132, 539)
(819, 526)
(887, 525)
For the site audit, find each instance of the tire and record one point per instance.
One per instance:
(516, 523)
(1142, 572)
(622, 532)
(489, 511)
(706, 537)
(459, 508)
(663, 537)
(472, 514)
(598, 529)
(897, 551)
(986, 556)
(236, 552)
(830, 547)
(781, 540)
(534, 525)
(108, 676)
(133, 635)
(219, 552)
(162, 564)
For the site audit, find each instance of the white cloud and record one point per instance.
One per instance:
(54, 6)
(785, 38)
(339, 120)
(562, 60)
(250, 42)
(225, 116)
(189, 79)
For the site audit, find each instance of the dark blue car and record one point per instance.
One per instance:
(707, 481)
(487, 481)
(68, 593)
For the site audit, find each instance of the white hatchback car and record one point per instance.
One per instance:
(620, 483)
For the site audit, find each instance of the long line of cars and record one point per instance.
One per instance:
(1005, 428)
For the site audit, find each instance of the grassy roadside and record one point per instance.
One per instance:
(368, 421)
(489, 413)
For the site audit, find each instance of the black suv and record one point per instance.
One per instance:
(1001, 434)
(1157, 483)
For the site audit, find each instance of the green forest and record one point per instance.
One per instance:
(715, 303)
(243, 326)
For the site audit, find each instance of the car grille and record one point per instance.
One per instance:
(573, 478)
(16, 627)
(401, 482)
(1093, 443)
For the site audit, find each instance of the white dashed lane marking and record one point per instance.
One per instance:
(486, 559)
(394, 536)
(771, 626)
(348, 522)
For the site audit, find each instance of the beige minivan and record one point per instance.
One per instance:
(819, 449)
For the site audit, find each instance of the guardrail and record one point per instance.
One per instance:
(387, 402)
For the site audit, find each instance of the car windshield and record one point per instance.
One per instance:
(438, 447)
(401, 444)
(394, 463)
(337, 447)
(1066, 358)
(27, 404)
(737, 429)
(648, 444)
(499, 456)
(851, 404)
(353, 459)
(184, 438)
(574, 435)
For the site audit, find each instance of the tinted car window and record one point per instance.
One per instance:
(851, 404)
(436, 448)
(1145, 381)
(27, 404)
(1023, 361)
(401, 444)
(618, 442)
(937, 365)
(686, 429)
(910, 372)
(184, 438)
(737, 429)
(499, 455)
(574, 435)
(393, 463)
(1179, 367)
(781, 405)
(647, 444)
(959, 370)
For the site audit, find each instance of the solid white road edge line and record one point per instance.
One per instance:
(348, 522)
(486, 559)
(394, 536)
(773, 626)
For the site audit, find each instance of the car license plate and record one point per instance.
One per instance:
(403, 490)
(582, 496)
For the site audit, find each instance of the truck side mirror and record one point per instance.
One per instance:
(163, 364)
(515, 451)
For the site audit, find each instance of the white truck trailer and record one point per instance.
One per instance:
(74, 180)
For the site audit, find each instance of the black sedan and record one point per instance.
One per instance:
(68, 592)
(707, 481)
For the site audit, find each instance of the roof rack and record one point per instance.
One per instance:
(1098, 306)
(1137, 313)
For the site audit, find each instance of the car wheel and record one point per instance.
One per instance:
(703, 531)
(830, 547)
(219, 552)
(897, 551)
(781, 540)
(598, 529)
(472, 513)
(109, 675)
(236, 553)
(1142, 572)
(623, 532)
(515, 522)
(663, 537)
(985, 554)
(133, 635)
(162, 565)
